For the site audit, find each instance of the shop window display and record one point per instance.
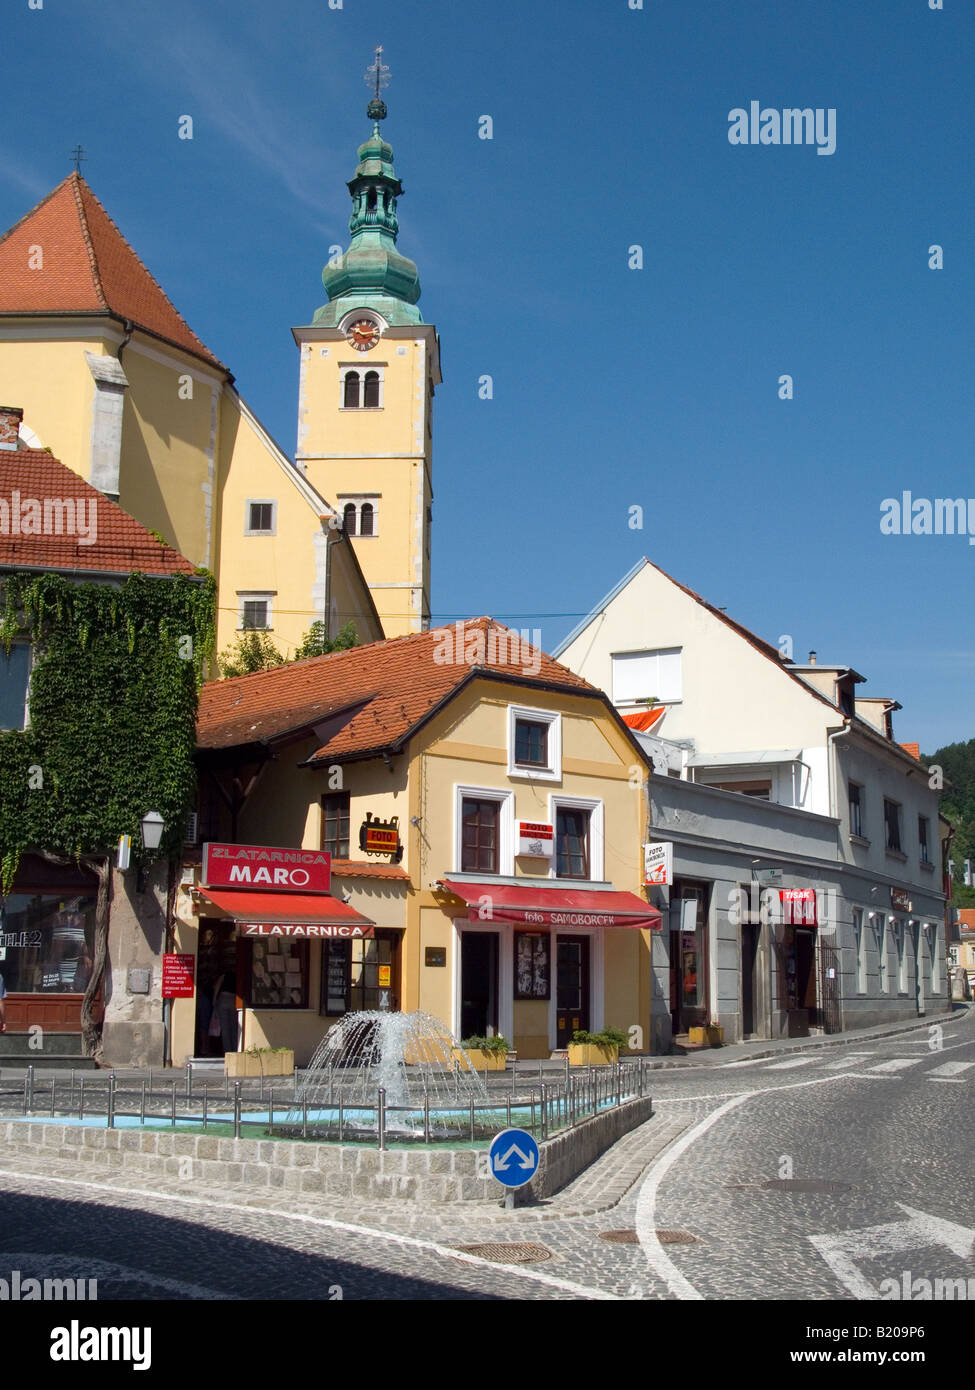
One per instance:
(46, 943)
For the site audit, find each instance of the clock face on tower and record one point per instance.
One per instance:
(363, 334)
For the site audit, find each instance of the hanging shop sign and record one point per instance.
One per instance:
(264, 866)
(658, 864)
(798, 906)
(381, 837)
(901, 899)
(536, 838)
(177, 975)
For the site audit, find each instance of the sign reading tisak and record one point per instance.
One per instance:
(263, 866)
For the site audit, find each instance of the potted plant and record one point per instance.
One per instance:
(484, 1054)
(707, 1035)
(596, 1049)
(260, 1061)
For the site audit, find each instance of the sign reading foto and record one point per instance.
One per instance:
(536, 838)
(262, 866)
(658, 864)
(381, 837)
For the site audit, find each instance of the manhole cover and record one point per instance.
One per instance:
(805, 1185)
(511, 1253)
(665, 1237)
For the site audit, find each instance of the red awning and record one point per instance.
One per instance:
(554, 907)
(289, 914)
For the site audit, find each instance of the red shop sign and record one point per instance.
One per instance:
(177, 976)
(798, 906)
(263, 866)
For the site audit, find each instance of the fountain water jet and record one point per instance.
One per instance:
(412, 1057)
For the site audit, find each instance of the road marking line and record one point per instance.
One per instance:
(657, 1258)
(947, 1069)
(843, 1250)
(795, 1062)
(411, 1242)
(854, 1060)
(897, 1064)
(948, 1080)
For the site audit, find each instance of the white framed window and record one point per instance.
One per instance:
(931, 936)
(899, 941)
(640, 676)
(362, 385)
(860, 953)
(255, 611)
(260, 517)
(534, 743)
(360, 512)
(484, 830)
(579, 838)
(879, 925)
(15, 686)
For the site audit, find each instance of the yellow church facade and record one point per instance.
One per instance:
(115, 383)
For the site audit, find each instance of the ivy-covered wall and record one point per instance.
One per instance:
(113, 696)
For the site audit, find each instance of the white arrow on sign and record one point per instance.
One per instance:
(502, 1161)
(842, 1251)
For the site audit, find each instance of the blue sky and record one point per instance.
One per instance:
(612, 387)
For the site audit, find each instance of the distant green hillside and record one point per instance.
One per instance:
(958, 804)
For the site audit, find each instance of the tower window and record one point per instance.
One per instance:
(255, 612)
(366, 519)
(349, 518)
(371, 394)
(351, 393)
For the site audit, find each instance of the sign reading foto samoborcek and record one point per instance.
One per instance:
(536, 838)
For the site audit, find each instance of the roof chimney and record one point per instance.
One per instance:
(10, 418)
(812, 658)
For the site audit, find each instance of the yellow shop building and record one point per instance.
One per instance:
(447, 821)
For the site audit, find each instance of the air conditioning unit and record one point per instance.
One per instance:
(192, 828)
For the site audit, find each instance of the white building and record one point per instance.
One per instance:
(721, 708)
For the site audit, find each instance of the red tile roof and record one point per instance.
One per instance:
(87, 267)
(352, 868)
(121, 545)
(372, 697)
(913, 748)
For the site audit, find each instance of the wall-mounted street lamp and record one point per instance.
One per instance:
(152, 825)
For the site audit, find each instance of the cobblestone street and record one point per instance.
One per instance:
(718, 1196)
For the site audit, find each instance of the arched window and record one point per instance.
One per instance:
(366, 519)
(371, 200)
(371, 396)
(351, 399)
(349, 518)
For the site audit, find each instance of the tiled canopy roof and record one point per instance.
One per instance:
(367, 698)
(121, 545)
(85, 266)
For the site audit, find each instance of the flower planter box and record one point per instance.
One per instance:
(711, 1035)
(592, 1055)
(480, 1059)
(242, 1064)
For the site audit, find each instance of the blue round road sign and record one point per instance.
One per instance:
(514, 1157)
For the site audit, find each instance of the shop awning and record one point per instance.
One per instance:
(289, 914)
(554, 907)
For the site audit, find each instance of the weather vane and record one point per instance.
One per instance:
(377, 77)
(78, 154)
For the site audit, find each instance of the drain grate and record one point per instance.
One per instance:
(508, 1253)
(805, 1185)
(630, 1237)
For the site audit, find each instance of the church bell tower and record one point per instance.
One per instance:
(369, 366)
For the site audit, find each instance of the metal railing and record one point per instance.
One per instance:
(545, 1108)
